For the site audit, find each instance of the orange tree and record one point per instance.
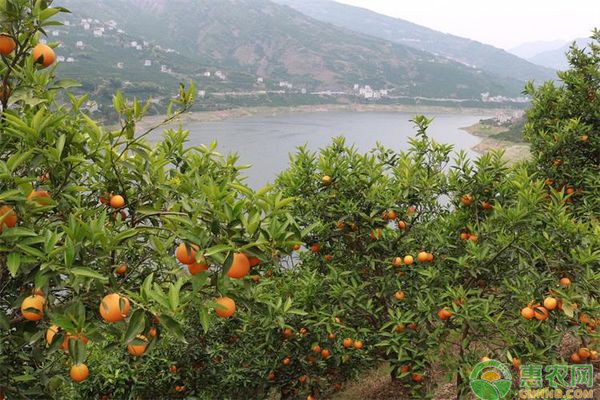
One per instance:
(93, 222)
(564, 130)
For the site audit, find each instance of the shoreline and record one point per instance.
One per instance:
(513, 152)
(234, 113)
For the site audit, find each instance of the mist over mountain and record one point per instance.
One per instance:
(557, 58)
(528, 50)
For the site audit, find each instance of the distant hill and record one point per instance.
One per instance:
(466, 51)
(556, 58)
(148, 46)
(530, 49)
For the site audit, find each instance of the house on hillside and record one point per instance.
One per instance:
(86, 26)
(120, 65)
(98, 33)
(60, 58)
(260, 80)
(79, 44)
(206, 74)
(55, 33)
(147, 63)
(70, 60)
(220, 75)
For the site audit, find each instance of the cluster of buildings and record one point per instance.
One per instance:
(487, 98)
(367, 92)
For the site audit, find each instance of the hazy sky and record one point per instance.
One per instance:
(503, 23)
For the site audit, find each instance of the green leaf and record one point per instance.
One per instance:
(88, 273)
(173, 326)
(136, 325)
(204, 320)
(220, 248)
(13, 262)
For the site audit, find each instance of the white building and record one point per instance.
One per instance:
(98, 33)
(120, 31)
(55, 33)
(206, 74)
(286, 84)
(165, 69)
(70, 60)
(120, 65)
(260, 80)
(303, 91)
(86, 26)
(60, 58)
(79, 44)
(220, 75)
(356, 87)
(67, 23)
(147, 63)
(201, 93)
(139, 47)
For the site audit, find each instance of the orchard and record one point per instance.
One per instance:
(131, 269)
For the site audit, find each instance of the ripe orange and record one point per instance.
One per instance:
(408, 260)
(399, 328)
(331, 336)
(575, 358)
(138, 346)
(584, 138)
(10, 217)
(358, 344)
(32, 307)
(326, 180)
(197, 268)
(297, 247)
(464, 236)
(152, 332)
(401, 225)
(474, 238)
(310, 397)
(376, 234)
(397, 262)
(44, 55)
(527, 313)
(347, 343)
(79, 372)
(411, 210)
(110, 307)
(418, 378)
(466, 200)
(422, 257)
(341, 225)
(550, 303)
(185, 254)
(594, 356)
(385, 215)
(429, 257)
(565, 281)
(412, 326)
(316, 348)
(325, 354)
(399, 295)
(286, 361)
(117, 201)
(584, 353)
(328, 257)
(41, 197)
(541, 314)
(302, 379)
(557, 163)
(227, 308)
(121, 269)
(287, 333)
(483, 359)
(51, 332)
(271, 376)
(315, 248)
(405, 368)
(548, 182)
(179, 388)
(254, 261)
(7, 45)
(444, 314)
(516, 363)
(392, 215)
(240, 267)
(486, 205)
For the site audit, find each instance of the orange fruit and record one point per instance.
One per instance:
(121, 269)
(315, 248)
(44, 55)
(412, 326)
(418, 378)
(271, 376)
(411, 210)
(302, 379)
(486, 205)
(51, 332)
(197, 268)
(584, 138)
(32, 307)
(473, 238)
(376, 234)
(254, 261)
(557, 163)
(575, 358)
(584, 353)
(41, 197)
(326, 180)
(408, 260)
(325, 354)
(527, 313)
(347, 343)
(316, 348)
(399, 328)
(173, 368)
(10, 217)
(286, 361)
(541, 314)
(464, 236)
(429, 257)
(399, 295)
(358, 344)
(110, 307)
(405, 368)
(179, 388)
(138, 346)
(79, 372)
(240, 267)
(397, 262)
(331, 336)
(117, 201)
(466, 200)
(548, 182)
(310, 397)
(287, 333)
(444, 314)
(392, 215)
(7, 45)
(516, 363)
(227, 308)
(483, 359)
(186, 254)
(401, 225)
(152, 332)
(550, 303)
(328, 257)
(422, 257)
(594, 356)
(565, 281)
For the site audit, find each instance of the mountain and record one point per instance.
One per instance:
(252, 46)
(466, 51)
(530, 49)
(556, 58)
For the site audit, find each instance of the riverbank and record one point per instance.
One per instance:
(215, 116)
(495, 138)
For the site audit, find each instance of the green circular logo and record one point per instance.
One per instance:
(490, 380)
